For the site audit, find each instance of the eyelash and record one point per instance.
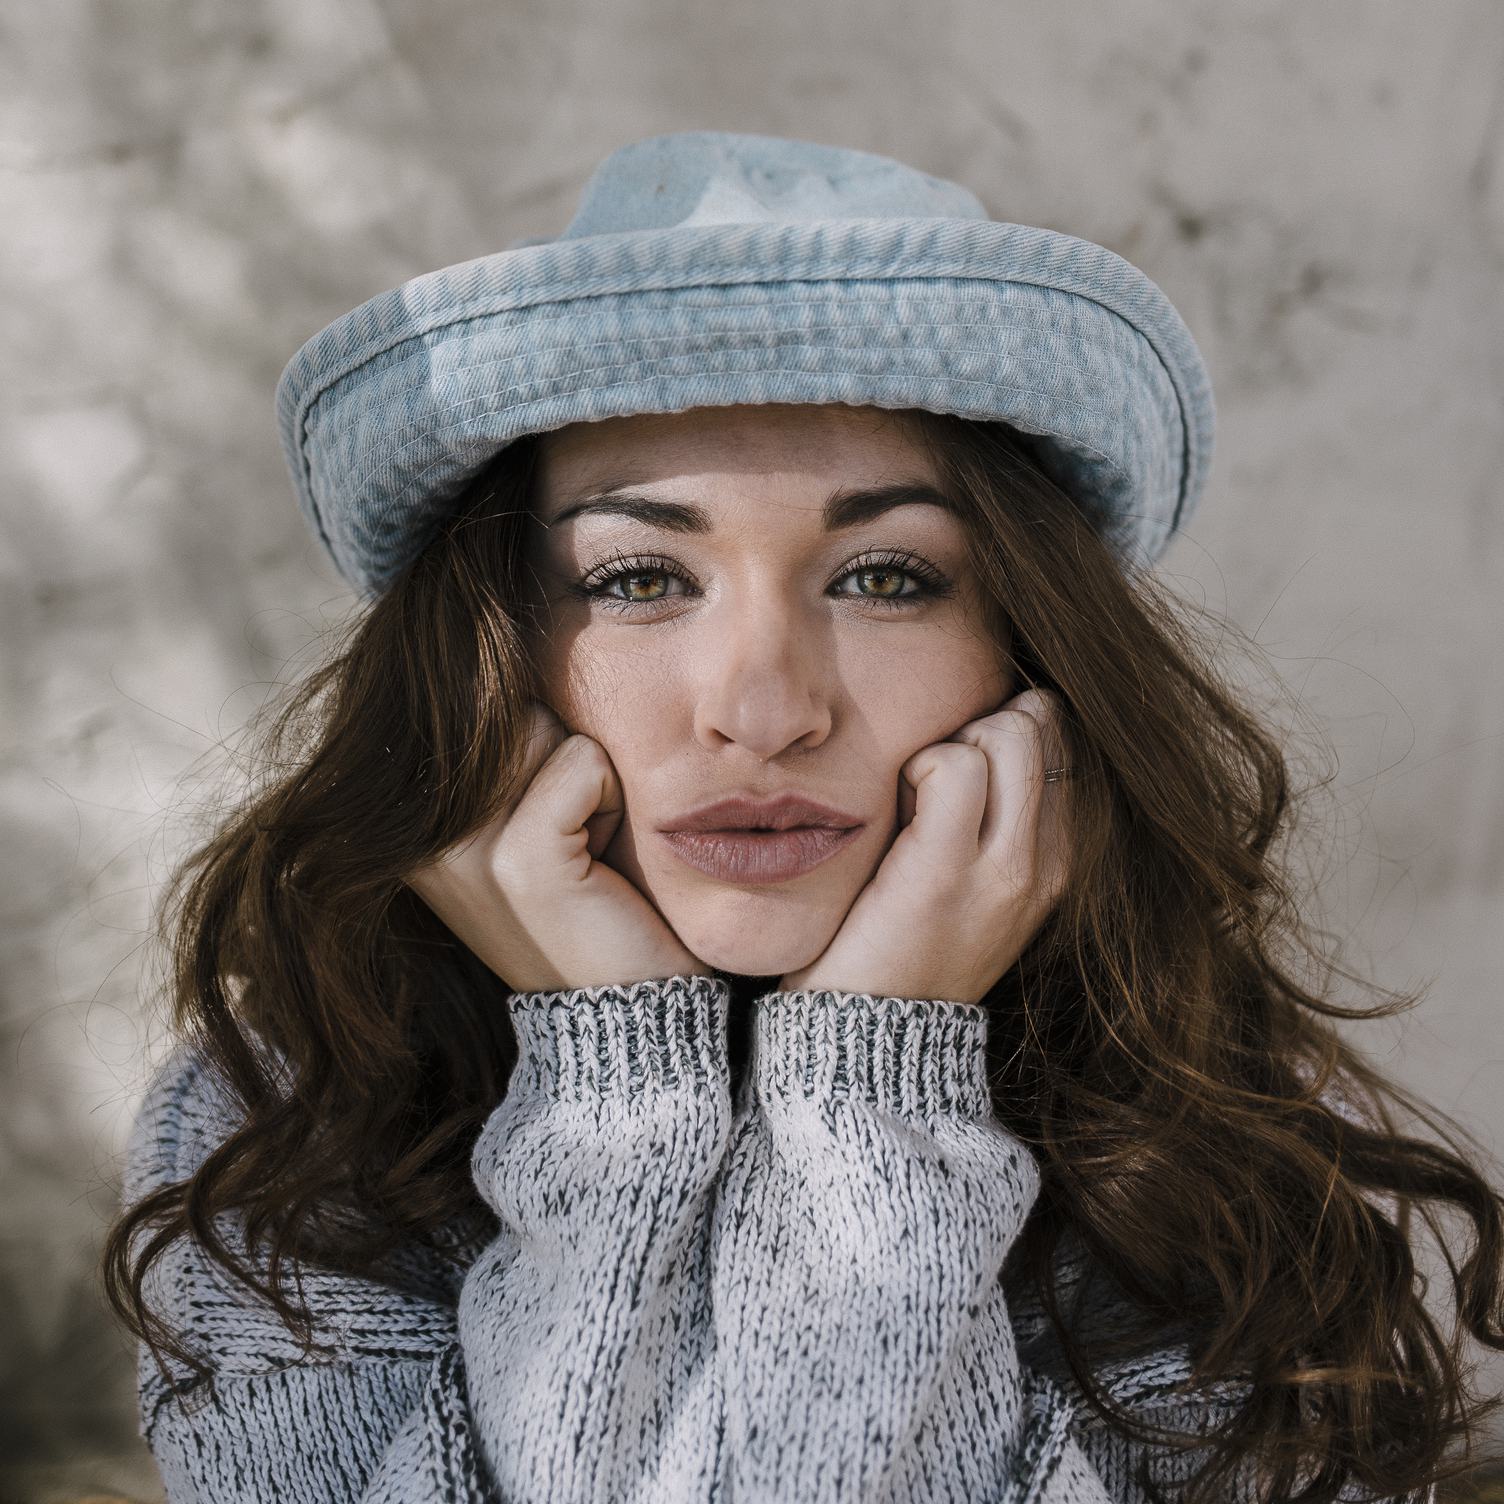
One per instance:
(932, 584)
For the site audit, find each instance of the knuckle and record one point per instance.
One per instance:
(553, 770)
(589, 751)
(963, 755)
(576, 753)
(949, 759)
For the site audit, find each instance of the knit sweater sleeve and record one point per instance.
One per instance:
(868, 1203)
(575, 1360)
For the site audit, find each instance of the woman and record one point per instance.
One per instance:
(762, 970)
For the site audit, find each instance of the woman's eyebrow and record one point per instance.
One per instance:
(843, 508)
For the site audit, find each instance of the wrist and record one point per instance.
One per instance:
(622, 1038)
(917, 1058)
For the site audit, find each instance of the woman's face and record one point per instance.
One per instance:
(776, 624)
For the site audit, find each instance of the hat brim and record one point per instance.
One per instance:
(390, 410)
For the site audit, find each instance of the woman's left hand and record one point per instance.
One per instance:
(974, 872)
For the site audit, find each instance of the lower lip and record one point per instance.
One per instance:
(772, 856)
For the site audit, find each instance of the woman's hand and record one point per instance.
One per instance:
(527, 892)
(974, 872)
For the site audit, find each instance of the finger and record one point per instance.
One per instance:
(1046, 708)
(602, 826)
(544, 733)
(1035, 848)
(1041, 705)
(1053, 852)
(905, 801)
(1014, 741)
(950, 798)
(576, 783)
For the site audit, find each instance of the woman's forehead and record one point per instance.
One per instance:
(829, 444)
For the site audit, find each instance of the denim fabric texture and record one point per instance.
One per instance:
(708, 268)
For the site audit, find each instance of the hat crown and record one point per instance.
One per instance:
(725, 177)
(706, 268)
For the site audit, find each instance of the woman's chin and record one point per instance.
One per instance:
(762, 954)
(761, 960)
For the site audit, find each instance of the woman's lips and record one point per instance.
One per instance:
(759, 856)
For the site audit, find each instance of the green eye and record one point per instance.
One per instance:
(893, 575)
(633, 580)
(635, 576)
(631, 573)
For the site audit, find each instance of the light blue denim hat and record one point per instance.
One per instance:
(705, 268)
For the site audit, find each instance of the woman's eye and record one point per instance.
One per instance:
(640, 584)
(901, 580)
(884, 581)
(643, 587)
(645, 582)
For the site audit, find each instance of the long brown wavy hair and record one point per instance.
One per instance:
(1154, 1046)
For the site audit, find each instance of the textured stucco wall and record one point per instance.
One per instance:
(191, 189)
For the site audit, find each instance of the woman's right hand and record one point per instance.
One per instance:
(526, 892)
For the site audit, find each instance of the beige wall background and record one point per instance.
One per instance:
(191, 189)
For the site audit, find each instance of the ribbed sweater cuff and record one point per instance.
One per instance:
(622, 1039)
(911, 1057)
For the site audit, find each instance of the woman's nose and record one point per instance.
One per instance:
(765, 683)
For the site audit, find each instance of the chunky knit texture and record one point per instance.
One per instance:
(795, 1298)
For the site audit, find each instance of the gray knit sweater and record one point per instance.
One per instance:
(793, 1297)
